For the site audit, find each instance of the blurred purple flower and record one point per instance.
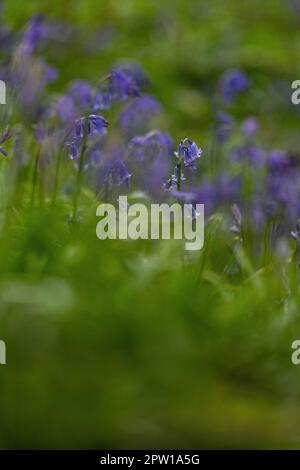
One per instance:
(102, 100)
(35, 32)
(136, 116)
(149, 156)
(122, 85)
(250, 127)
(82, 93)
(3, 138)
(250, 153)
(232, 83)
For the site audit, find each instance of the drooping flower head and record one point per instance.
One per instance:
(93, 124)
(85, 127)
(122, 85)
(36, 31)
(189, 152)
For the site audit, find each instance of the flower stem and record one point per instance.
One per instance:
(179, 166)
(80, 171)
(35, 175)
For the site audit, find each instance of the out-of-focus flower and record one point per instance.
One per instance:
(149, 158)
(63, 109)
(3, 138)
(232, 83)
(189, 152)
(249, 153)
(35, 32)
(102, 100)
(122, 85)
(224, 125)
(173, 181)
(119, 173)
(82, 93)
(250, 127)
(278, 161)
(136, 116)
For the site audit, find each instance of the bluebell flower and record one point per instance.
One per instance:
(119, 173)
(122, 85)
(232, 83)
(189, 152)
(63, 109)
(82, 93)
(35, 32)
(94, 125)
(136, 117)
(173, 181)
(250, 126)
(148, 156)
(3, 138)
(102, 100)
(73, 150)
(250, 153)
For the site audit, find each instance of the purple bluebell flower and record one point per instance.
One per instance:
(119, 173)
(36, 31)
(227, 188)
(73, 150)
(102, 100)
(189, 152)
(149, 157)
(122, 85)
(136, 117)
(250, 153)
(232, 83)
(250, 127)
(3, 138)
(206, 194)
(173, 181)
(94, 125)
(278, 161)
(63, 109)
(82, 93)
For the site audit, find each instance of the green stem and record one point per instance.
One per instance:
(179, 166)
(80, 171)
(56, 177)
(35, 175)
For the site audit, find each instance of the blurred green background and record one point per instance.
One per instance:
(126, 344)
